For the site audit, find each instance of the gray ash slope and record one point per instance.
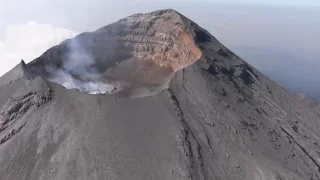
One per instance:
(209, 115)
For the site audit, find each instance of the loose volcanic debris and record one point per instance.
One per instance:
(171, 102)
(17, 107)
(302, 148)
(188, 144)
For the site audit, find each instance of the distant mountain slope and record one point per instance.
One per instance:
(295, 73)
(170, 102)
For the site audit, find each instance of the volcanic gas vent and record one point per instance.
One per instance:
(136, 56)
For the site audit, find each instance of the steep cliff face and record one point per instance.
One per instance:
(170, 102)
(138, 53)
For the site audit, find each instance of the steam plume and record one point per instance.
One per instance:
(79, 71)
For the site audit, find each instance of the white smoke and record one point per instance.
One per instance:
(65, 79)
(79, 71)
(28, 41)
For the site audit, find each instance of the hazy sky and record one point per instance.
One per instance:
(291, 27)
(279, 2)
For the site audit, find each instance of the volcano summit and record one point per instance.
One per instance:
(136, 56)
(152, 96)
